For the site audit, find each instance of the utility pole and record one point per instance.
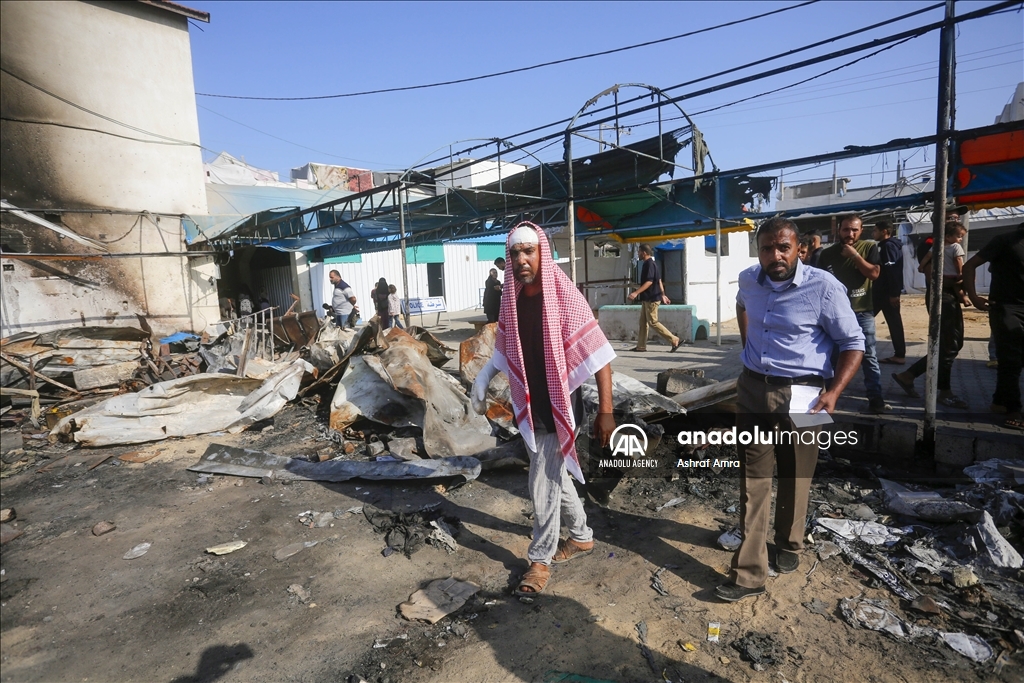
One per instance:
(400, 191)
(718, 261)
(942, 129)
(570, 208)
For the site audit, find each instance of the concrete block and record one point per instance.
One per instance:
(953, 449)
(898, 439)
(623, 322)
(998, 446)
(867, 435)
(677, 380)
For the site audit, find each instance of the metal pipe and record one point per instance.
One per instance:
(570, 208)
(942, 128)
(405, 264)
(718, 263)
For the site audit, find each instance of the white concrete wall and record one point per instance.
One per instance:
(700, 275)
(130, 62)
(477, 174)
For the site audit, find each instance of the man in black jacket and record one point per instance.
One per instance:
(651, 296)
(886, 290)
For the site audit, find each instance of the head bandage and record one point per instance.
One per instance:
(524, 235)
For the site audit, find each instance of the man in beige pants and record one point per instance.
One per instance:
(651, 295)
(790, 316)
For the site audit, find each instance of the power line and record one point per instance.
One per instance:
(512, 71)
(271, 135)
(742, 67)
(97, 114)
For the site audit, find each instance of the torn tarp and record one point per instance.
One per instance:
(199, 404)
(243, 462)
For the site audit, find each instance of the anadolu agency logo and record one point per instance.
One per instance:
(628, 444)
(628, 441)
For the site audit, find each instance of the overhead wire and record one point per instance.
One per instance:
(97, 114)
(507, 72)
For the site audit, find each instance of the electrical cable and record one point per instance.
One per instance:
(97, 114)
(922, 30)
(513, 71)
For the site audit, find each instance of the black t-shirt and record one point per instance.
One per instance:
(1005, 255)
(649, 273)
(530, 310)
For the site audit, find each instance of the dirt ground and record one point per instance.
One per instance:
(74, 610)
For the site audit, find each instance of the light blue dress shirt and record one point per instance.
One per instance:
(792, 332)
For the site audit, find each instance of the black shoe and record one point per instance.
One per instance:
(787, 561)
(637, 349)
(878, 406)
(675, 346)
(730, 592)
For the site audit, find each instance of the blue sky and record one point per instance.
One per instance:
(319, 48)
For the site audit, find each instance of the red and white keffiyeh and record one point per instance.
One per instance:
(575, 348)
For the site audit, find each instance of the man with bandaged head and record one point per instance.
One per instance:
(548, 344)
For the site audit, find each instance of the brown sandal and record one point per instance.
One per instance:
(534, 580)
(569, 549)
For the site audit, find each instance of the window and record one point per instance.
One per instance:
(606, 250)
(709, 245)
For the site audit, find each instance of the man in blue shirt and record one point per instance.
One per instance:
(790, 317)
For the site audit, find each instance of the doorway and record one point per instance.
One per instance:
(435, 279)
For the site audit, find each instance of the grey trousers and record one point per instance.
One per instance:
(553, 498)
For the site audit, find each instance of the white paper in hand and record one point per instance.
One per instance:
(804, 398)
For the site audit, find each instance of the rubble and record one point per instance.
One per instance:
(138, 551)
(408, 532)
(225, 548)
(439, 599)
(971, 647)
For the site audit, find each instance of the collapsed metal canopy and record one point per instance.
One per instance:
(370, 220)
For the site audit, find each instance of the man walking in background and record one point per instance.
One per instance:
(343, 302)
(888, 288)
(1005, 306)
(651, 296)
(856, 264)
(790, 316)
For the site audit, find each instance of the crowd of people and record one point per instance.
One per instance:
(806, 316)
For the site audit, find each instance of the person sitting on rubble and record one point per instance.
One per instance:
(548, 344)
(343, 302)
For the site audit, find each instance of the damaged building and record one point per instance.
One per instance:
(100, 163)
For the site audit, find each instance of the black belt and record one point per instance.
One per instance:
(810, 380)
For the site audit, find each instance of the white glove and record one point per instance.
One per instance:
(483, 379)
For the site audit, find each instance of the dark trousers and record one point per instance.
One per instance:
(1007, 322)
(894, 320)
(767, 406)
(951, 340)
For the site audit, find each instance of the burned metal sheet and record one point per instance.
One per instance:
(363, 392)
(198, 404)
(631, 397)
(473, 356)
(59, 353)
(437, 352)
(243, 462)
(409, 391)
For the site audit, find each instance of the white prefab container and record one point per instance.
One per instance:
(456, 271)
